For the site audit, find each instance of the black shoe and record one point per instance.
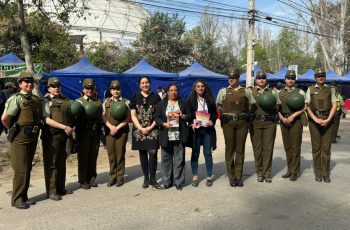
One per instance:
(294, 177)
(119, 184)
(287, 175)
(239, 183)
(85, 186)
(327, 179)
(111, 183)
(55, 197)
(167, 186)
(29, 202)
(318, 179)
(233, 183)
(260, 179)
(209, 182)
(195, 183)
(65, 192)
(268, 179)
(179, 187)
(21, 206)
(145, 182)
(155, 185)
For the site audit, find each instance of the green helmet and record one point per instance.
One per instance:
(295, 101)
(91, 110)
(119, 110)
(76, 108)
(267, 101)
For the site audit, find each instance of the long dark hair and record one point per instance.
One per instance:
(207, 95)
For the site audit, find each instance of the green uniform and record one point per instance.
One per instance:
(291, 135)
(235, 107)
(26, 112)
(88, 138)
(337, 115)
(116, 144)
(263, 133)
(320, 102)
(54, 143)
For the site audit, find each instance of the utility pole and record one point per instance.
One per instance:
(250, 45)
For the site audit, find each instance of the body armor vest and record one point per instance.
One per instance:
(97, 119)
(283, 94)
(59, 110)
(259, 110)
(235, 101)
(321, 99)
(30, 112)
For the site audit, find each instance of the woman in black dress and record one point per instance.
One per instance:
(145, 132)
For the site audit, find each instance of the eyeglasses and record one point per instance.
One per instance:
(55, 86)
(89, 87)
(320, 75)
(260, 78)
(290, 78)
(232, 77)
(117, 89)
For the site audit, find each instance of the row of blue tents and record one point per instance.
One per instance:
(72, 76)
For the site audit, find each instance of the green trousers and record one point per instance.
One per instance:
(292, 138)
(116, 148)
(22, 152)
(262, 135)
(336, 123)
(235, 134)
(88, 146)
(321, 138)
(55, 156)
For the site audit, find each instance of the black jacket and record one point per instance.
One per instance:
(160, 118)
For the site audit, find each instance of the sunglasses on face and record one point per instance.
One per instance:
(89, 87)
(28, 81)
(321, 75)
(232, 77)
(55, 86)
(116, 89)
(290, 78)
(260, 78)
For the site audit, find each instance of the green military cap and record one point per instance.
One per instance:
(290, 73)
(26, 75)
(53, 81)
(320, 72)
(115, 84)
(235, 72)
(89, 82)
(260, 74)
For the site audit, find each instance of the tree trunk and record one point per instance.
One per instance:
(23, 36)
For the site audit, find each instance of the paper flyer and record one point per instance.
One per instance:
(203, 117)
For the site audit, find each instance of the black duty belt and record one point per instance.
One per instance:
(30, 128)
(235, 117)
(321, 113)
(92, 126)
(265, 118)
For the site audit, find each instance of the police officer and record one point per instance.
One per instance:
(233, 105)
(291, 126)
(88, 130)
(263, 127)
(322, 105)
(116, 135)
(338, 113)
(23, 115)
(57, 128)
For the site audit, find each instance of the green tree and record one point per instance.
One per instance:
(50, 42)
(161, 42)
(260, 56)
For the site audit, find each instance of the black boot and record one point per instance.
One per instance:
(154, 184)
(145, 182)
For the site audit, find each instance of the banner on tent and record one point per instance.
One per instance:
(10, 70)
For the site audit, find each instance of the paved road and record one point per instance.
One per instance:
(304, 204)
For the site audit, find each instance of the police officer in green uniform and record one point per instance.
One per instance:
(23, 115)
(116, 135)
(322, 105)
(57, 128)
(263, 127)
(88, 130)
(291, 126)
(338, 113)
(233, 104)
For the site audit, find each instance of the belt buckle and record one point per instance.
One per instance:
(234, 117)
(262, 118)
(35, 129)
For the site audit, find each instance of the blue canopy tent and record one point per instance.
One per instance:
(308, 76)
(332, 76)
(72, 77)
(11, 58)
(279, 76)
(197, 71)
(345, 78)
(129, 79)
